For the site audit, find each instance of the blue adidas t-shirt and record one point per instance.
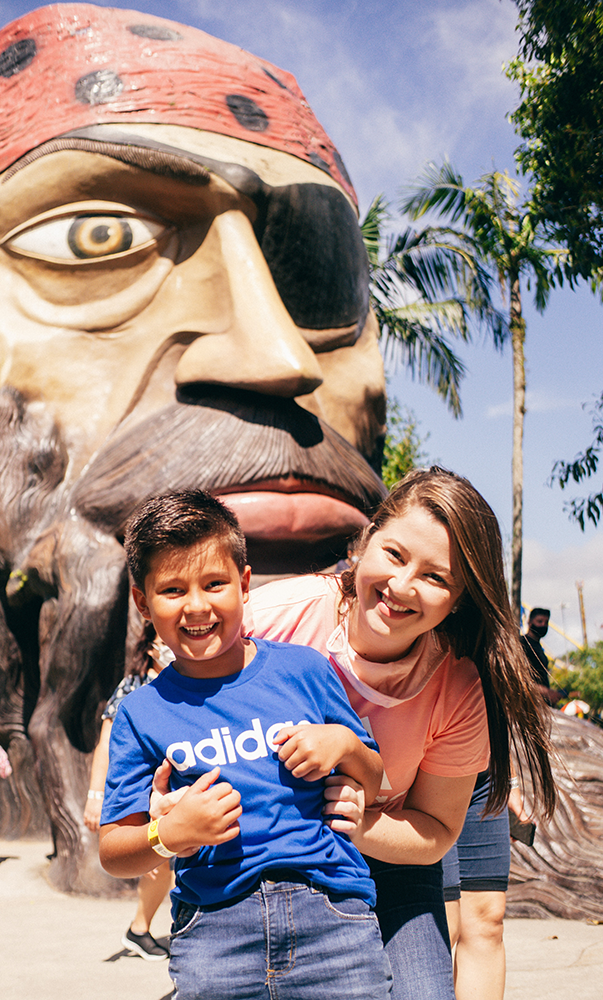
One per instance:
(231, 721)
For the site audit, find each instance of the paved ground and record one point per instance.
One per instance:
(61, 947)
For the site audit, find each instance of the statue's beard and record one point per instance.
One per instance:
(272, 460)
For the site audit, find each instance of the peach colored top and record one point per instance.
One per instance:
(425, 711)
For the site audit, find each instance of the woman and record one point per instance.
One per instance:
(150, 657)
(412, 628)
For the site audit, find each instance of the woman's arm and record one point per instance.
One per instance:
(427, 825)
(98, 776)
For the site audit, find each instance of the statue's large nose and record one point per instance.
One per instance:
(259, 347)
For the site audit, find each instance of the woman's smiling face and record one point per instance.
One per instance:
(407, 582)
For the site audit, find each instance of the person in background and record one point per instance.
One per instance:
(538, 626)
(153, 887)
(350, 560)
(5, 765)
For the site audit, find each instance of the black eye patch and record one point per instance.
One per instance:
(312, 243)
(308, 233)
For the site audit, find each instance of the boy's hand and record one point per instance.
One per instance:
(344, 799)
(206, 815)
(312, 751)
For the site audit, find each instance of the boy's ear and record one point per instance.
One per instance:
(245, 582)
(141, 602)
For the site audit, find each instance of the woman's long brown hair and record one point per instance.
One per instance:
(482, 628)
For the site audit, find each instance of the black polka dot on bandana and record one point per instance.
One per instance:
(319, 162)
(17, 57)
(248, 113)
(275, 78)
(341, 166)
(98, 87)
(155, 32)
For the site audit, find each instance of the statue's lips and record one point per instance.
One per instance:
(268, 515)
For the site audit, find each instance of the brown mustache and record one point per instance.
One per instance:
(218, 441)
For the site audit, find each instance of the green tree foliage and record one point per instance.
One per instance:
(565, 679)
(403, 449)
(583, 466)
(588, 664)
(498, 243)
(560, 118)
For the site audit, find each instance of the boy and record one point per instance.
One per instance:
(269, 900)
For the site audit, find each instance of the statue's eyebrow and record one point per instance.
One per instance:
(147, 154)
(163, 163)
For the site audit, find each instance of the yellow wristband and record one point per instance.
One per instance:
(155, 841)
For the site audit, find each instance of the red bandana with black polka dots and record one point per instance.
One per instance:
(70, 65)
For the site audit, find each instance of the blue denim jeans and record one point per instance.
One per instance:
(286, 941)
(412, 916)
(481, 858)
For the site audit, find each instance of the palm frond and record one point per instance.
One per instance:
(440, 190)
(372, 228)
(415, 335)
(425, 286)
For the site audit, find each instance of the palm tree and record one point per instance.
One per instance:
(493, 231)
(413, 291)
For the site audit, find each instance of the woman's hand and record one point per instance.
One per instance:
(345, 802)
(154, 872)
(162, 800)
(92, 814)
(516, 805)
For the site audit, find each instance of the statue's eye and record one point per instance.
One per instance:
(85, 237)
(96, 237)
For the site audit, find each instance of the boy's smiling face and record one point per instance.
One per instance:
(194, 596)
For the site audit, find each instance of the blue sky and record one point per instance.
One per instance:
(397, 83)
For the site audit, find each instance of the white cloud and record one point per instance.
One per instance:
(474, 39)
(549, 580)
(500, 409)
(536, 402)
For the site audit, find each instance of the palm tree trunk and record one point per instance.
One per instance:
(518, 333)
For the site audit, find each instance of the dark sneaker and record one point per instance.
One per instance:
(144, 945)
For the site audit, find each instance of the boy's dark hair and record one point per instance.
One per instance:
(538, 611)
(177, 521)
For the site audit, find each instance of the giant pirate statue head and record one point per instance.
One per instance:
(184, 296)
(176, 226)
